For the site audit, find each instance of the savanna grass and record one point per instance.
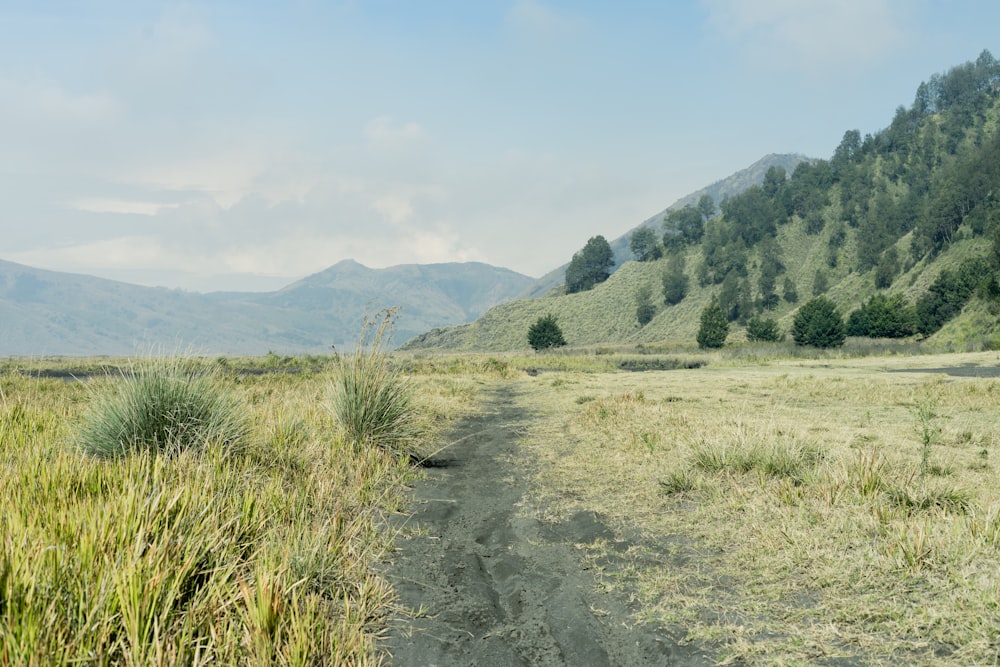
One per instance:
(372, 399)
(266, 554)
(809, 534)
(162, 406)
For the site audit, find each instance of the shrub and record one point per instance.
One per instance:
(883, 316)
(545, 333)
(763, 329)
(371, 399)
(818, 323)
(645, 310)
(714, 327)
(160, 406)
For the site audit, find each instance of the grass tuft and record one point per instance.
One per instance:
(371, 399)
(161, 406)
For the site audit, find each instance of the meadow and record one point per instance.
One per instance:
(778, 509)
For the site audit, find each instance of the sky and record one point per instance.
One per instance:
(243, 144)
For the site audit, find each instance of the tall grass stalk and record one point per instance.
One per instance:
(372, 400)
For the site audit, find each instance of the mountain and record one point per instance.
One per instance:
(899, 228)
(718, 191)
(52, 313)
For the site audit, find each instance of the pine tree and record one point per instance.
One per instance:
(714, 327)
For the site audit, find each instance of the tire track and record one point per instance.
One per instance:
(486, 586)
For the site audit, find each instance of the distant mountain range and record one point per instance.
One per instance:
(46, 313)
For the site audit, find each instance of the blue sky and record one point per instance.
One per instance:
(242, 145)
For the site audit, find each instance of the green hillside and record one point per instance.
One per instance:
(910, 210)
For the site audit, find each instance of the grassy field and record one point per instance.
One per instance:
(257, 555)
(779, 509)
(790, 511)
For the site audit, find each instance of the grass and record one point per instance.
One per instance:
(264, 554)
(784, 516)
(162, 406)
(371, 398)
(776, 509)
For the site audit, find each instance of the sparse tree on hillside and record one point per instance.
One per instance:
(644, 245)
(675, 281)
(714, 327)
(545, 333)
(789, 291)
(590, 266)
(645, 309)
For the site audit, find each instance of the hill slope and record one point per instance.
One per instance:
(52, 313)
(911, 210)
(718, 191)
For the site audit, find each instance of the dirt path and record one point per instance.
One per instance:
(488, 585)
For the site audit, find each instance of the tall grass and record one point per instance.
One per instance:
(372, 399)
(265, 555)
(162, 406)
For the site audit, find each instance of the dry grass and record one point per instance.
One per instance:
(268, 555)
(784, 513)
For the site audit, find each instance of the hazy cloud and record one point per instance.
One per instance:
(812, 33)
(532, 19)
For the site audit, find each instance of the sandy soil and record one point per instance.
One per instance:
(487, 584)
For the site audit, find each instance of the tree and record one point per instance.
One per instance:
(818, 323)
(789, 291)
(887, 268)
(675, 282)
(645, 310)
(883, 316)
(590, 266)
(644, 245)
(714, 327)
(545, 333)
(763, 329)
(706, 206)
(820, 283)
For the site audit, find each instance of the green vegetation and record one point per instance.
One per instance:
(545, 333)
(590, 266)
(161, 406)
(645, 309)
(714, 327)
(763, 329)
(262, 553)
(818, 323)
(644, 245)
(371, 399)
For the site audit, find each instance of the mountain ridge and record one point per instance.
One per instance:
(45, 312)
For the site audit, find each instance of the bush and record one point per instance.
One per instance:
(160, 406)
(818, 323)
(371, 399)
(714, 327)
(545, 333)
(883, 317)
(645, 310)
(761, 329)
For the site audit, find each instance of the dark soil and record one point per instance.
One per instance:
(484, 585)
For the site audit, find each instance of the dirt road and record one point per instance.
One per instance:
(487, 584)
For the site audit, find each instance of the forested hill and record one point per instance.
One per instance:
(898, 226)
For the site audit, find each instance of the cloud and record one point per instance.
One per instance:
(812, 34)
(530, 18)
(382, 133)
(122, 206)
